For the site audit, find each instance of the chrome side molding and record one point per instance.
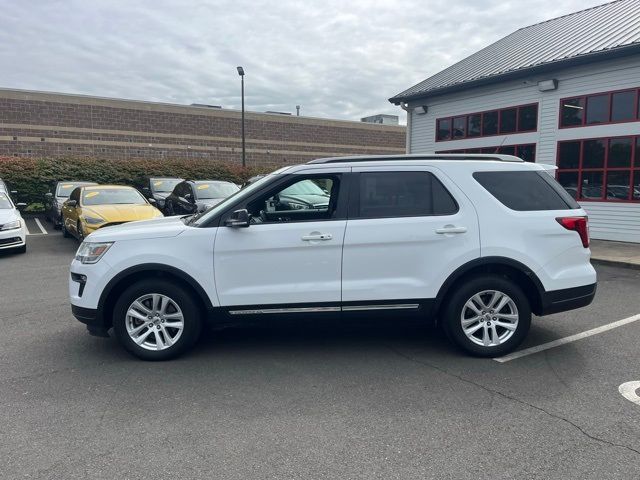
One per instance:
(347, 308)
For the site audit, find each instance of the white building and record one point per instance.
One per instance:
(564, 92)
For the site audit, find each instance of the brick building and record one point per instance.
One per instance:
(59, 125)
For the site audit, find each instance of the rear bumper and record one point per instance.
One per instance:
(556, 301)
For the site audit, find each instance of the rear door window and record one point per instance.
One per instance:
(526, 190)
(403, 194)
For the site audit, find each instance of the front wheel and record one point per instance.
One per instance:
(487, 316)
(156, 320)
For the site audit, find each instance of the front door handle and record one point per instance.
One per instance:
(451, 229)
(317, 236)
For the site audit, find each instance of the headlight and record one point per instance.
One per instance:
(92, 252)
(93, 220)
(11, 225)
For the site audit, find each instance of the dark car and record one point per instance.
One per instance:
(57, 196)
(195, 196)
(302, 196)
(159, 188)
(252, 180)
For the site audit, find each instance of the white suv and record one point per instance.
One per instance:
(475, 242)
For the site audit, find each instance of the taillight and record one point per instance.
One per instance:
(577, 224)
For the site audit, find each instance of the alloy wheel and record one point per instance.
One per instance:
(489, 318)
(154, 321)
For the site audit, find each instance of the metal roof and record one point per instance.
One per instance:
(603, 31)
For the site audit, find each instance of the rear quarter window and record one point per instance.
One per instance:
(526, 190)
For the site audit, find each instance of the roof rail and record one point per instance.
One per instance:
(435, 156)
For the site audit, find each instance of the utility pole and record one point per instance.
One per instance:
(241, 73)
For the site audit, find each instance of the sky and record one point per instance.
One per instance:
(337, 59)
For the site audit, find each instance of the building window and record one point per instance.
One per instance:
(444, 129)
(523, 118)
(527, 152)
(600, 169)
(609, 107)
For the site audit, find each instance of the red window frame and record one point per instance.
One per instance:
(499, 110)
(633, 169)
(495, 150)
(636, 108)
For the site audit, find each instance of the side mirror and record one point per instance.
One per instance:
(238, 219)
(21, 206)
(48, 195)
(71, 203)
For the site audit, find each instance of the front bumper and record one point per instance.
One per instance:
(556, 301)
(92, 318)
(15, 238)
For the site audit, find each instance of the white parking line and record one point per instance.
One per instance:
(42, 229)
(26, 227)
(628, 391)
(565, 340)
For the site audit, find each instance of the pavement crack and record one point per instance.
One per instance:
(492, 391)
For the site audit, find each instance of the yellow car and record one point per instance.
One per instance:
(92, 207)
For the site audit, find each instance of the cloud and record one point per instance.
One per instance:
(335, 58)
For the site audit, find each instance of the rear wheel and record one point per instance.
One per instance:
(65, 232)
(156, 320)
(487, 316)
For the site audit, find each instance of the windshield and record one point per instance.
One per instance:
(5, 203)
(65, 189)
(215, 190)
(203, 217)
(164, 185)
(305, 187)
(112, 196)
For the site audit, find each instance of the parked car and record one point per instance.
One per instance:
(195, 196)
(251, 180)
(4, 188)
(55, 198)
(476, 243)
(13, 231)
(159, 188)
(92, 207)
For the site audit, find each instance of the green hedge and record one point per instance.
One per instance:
(33, 177)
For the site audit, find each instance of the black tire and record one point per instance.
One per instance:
(455, 309)
(191, 314)
(65, 232)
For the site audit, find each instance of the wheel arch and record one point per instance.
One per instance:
(517, 272)
(124, 279)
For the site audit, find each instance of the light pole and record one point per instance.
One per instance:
(241, 73)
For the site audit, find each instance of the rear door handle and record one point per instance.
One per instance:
(317, 236)
(451, 229)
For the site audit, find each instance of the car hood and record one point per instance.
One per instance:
(122, 213)
(8, 215)
(157, 228)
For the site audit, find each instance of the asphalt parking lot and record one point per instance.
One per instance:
(389, 401)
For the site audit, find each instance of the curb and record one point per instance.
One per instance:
(616, 263)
